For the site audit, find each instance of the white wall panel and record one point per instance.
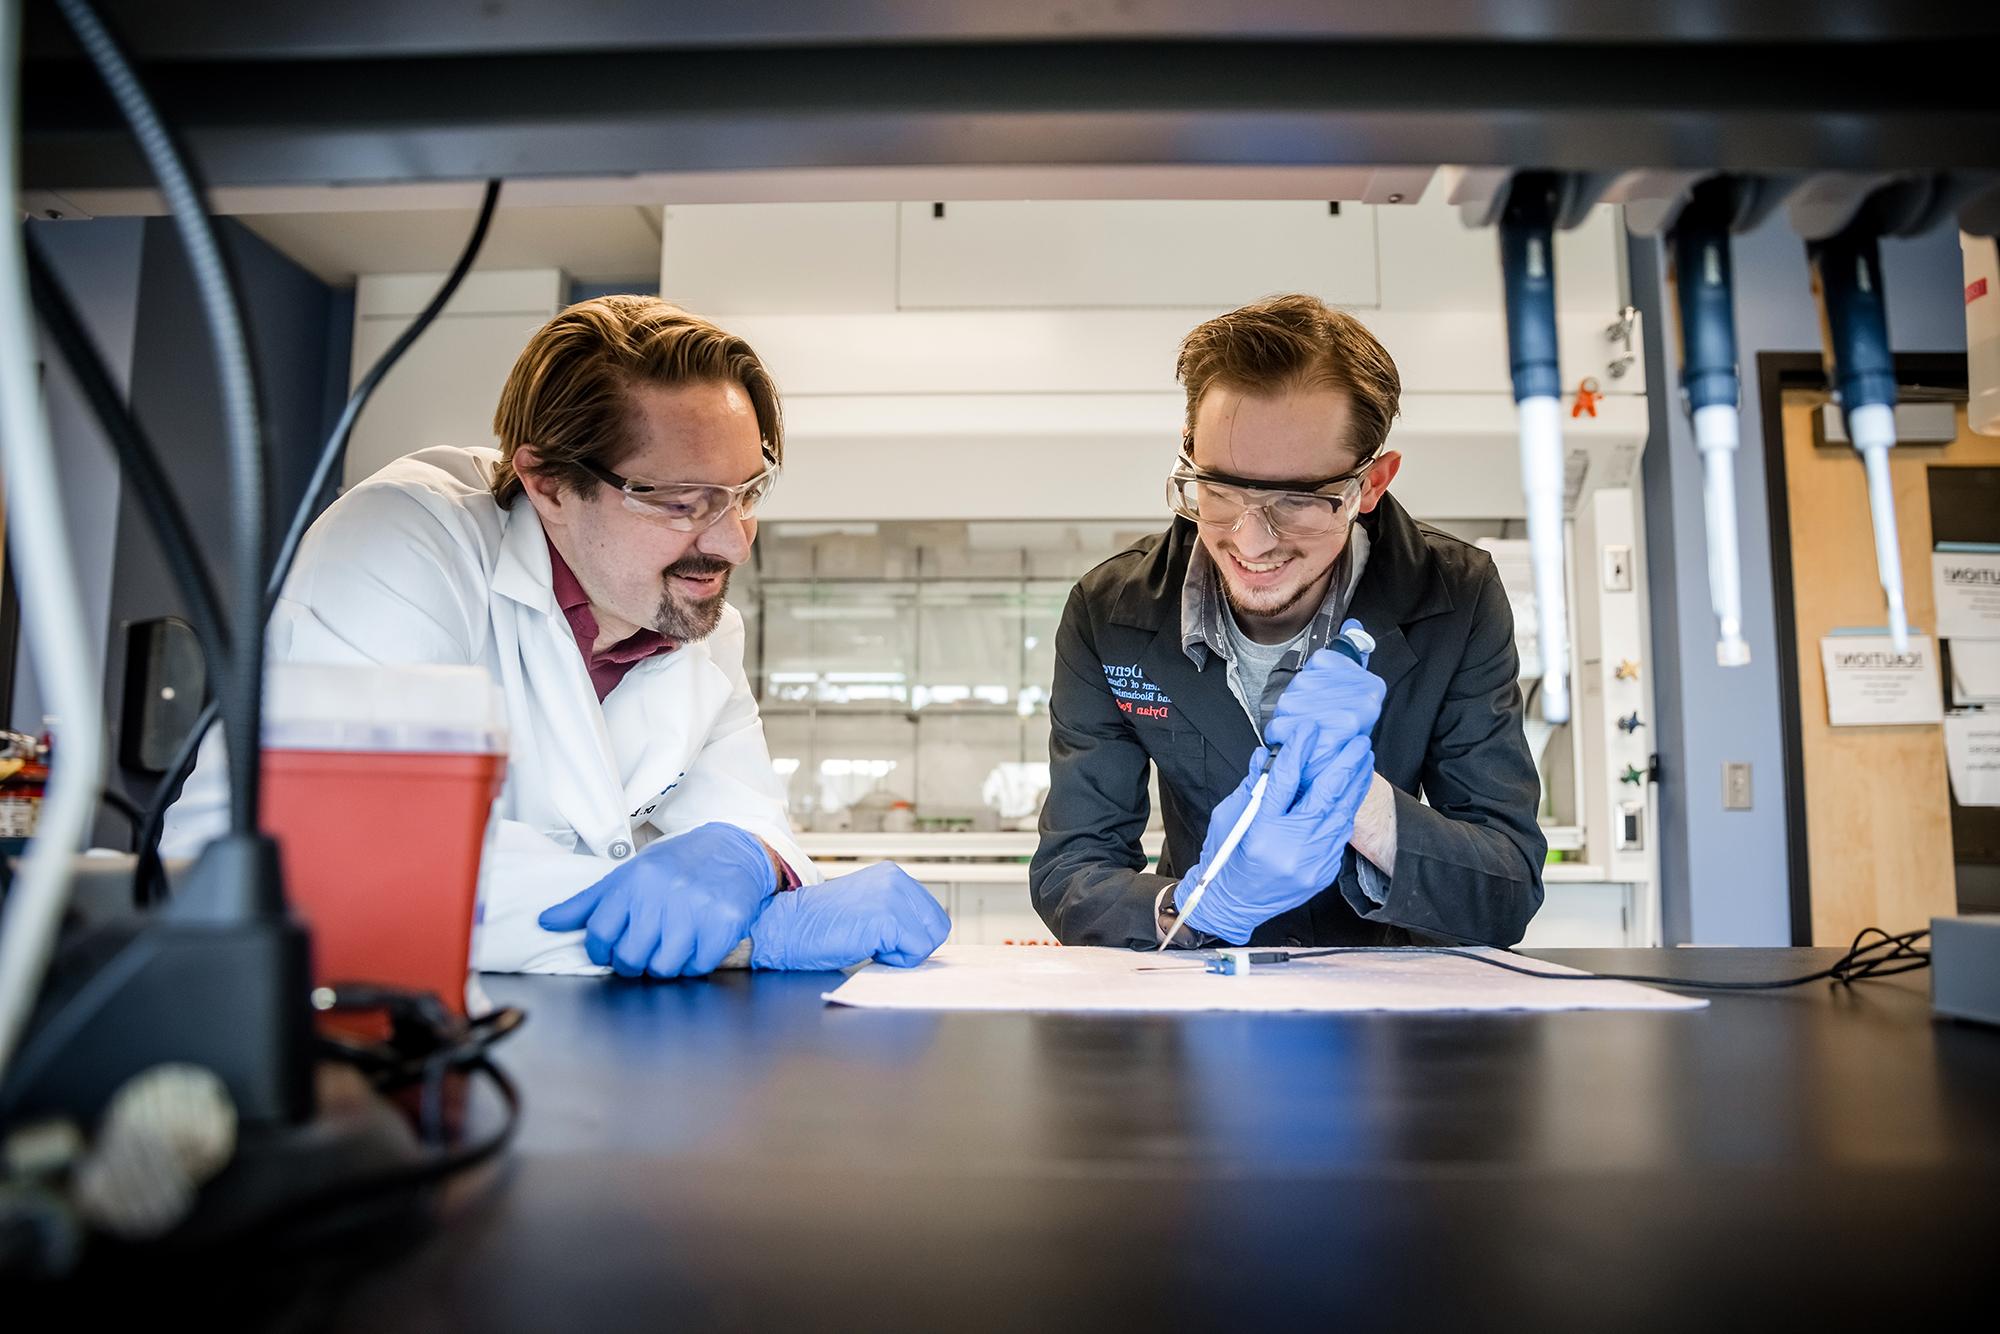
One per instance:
(1432, 261)
(1044, 254)
(445, 388)
(729, 259)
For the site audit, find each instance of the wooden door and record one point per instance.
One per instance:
(1877, 801)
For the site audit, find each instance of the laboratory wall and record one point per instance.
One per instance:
(98, 264)
(1724, 873)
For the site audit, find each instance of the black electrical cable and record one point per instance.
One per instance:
(311, 1210)
(336, 443)
(139, 461)
(433, 1169)
(426, 1045)
(243, 428)
(1858, 964)
(126, 807)
(149, 877)
(150, 881)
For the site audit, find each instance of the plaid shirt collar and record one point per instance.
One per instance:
(1203, 605)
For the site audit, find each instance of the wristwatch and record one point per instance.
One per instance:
(1165, 911)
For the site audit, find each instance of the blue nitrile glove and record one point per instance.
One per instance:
(676, 909)
(1295, 843)
(875, 913)
(1339, 696)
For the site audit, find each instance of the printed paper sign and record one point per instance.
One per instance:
(1869, 684)
(1967, 585)
(1975, 671)
(1972, 750)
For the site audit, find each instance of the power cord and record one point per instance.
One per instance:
(1878, 958)
(425, 1046)
(125, 806)
(426, 1042)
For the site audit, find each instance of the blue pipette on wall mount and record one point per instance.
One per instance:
(1847, 272)
(1711, 389)
(1528, 268)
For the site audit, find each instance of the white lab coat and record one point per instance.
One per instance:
(418, 564)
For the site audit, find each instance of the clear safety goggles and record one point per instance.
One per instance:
(1308, 508)
(690, 507)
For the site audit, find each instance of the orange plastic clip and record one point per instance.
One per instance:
(1586, 398)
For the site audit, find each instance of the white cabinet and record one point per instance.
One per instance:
(1083, 254)
(984, 914)
(444, 390)
(1431, 261)
(848, 259)
(1587, 916)
(792, 259)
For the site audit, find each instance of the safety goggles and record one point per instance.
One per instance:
(1304, 508)
(690, 507)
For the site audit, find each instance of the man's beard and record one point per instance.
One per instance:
(685, 620)
(1243, 608)
(1237, 604)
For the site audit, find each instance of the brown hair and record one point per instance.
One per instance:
(1295, 340)
(566, 396)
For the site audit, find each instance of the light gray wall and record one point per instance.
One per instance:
(297, 329)
(98, 264)
(1724, 873)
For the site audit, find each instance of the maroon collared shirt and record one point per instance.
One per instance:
(607, 667)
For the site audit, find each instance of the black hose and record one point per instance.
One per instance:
(243, 429)
(336, 443)
(151, 876)
(140, 462)
(125, 806)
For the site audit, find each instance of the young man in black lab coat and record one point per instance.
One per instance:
(1195, 647)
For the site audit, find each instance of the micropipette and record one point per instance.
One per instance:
(1352, 643)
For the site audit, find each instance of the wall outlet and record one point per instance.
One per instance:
(1736, 785)
(1618, 569)
(1631, 826)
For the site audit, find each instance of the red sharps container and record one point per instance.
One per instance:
(379, 784)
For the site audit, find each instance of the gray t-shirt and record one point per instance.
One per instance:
(1253, 665)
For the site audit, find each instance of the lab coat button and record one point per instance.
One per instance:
(621, 850)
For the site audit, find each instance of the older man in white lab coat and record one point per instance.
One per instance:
(583, 565)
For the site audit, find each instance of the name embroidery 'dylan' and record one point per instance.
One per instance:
(1135, 694)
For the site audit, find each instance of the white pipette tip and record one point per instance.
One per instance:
(1873, 427)
(1223, 853)
(1899, 620)
(1732, 650)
